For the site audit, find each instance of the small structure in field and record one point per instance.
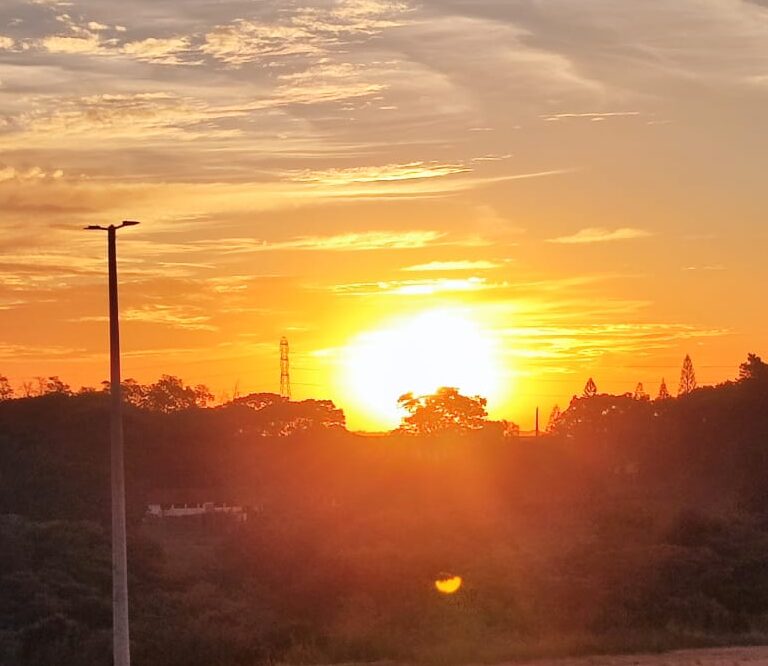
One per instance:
(186, 503)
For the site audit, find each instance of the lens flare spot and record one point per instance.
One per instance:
(448, 584)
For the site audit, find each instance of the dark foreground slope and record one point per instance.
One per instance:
(635, 526)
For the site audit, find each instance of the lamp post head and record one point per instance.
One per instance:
(112, 227)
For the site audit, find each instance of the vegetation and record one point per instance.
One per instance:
(443, 412)
(632, 524)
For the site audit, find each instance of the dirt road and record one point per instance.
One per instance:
(718, 657)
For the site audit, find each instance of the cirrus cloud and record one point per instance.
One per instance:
(601, 235)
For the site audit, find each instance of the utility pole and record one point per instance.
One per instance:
(537, 422)
(120, 630)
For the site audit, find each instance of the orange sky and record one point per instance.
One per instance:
(583, 182)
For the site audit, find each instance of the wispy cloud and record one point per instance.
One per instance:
(569, 343)
(306, 31)
(164, 51)
(68, 44)
(709, 267)
(598, 116)
(309, 31)
(492, 158)
(170, 315)
(244, 41)
(8, 173)
(370, 240)
(601, 235)
(449, 266)
(375, 174)
(346, 242)
(119, 116)
(415, 287)
(14, 352)
(323, 83)
(175, 316)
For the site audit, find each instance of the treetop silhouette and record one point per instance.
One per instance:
(640, 392)
(6, 390)
(754, 368)
(276, 415)
(590, 389)
(687, 377)
(444, 411)
(167, 394)
(554, 417)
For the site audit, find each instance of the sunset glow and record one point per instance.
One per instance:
(420, 354)
(404, 332)
(505, 197)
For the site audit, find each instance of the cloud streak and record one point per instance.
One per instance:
(451, 266)
(380, 174)
(601, 235)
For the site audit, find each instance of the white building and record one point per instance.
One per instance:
(185, 503)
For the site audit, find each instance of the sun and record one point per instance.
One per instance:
(448, 584)
(443, 347)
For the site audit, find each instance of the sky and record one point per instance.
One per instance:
(525, 193)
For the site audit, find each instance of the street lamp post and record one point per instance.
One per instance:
(120, 631)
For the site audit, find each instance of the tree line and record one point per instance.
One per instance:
(632, 525)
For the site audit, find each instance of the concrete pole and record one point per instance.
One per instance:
(120, 631)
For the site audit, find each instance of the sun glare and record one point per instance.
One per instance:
(445, 347)
(449, 584)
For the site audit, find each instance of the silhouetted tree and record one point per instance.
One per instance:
(687, 377)
(169, 394)
(508, 428)
(554, 417)
(133, 392)
(664, 393)
(203, 395)
(754, 368)
(6, 390)
(278, 416)
(258, 401)
(289, 418)
(55, 385)
(640, 393)
(590, 389)
(444, 411)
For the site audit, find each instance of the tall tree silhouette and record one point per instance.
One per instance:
(554, 417)
(590, 389)
(6, 390)
(664, 393)
(640, 393)
(687, 377)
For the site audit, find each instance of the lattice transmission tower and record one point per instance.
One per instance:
(285, 369)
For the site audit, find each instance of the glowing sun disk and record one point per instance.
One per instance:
(449, 585)
(445, 347)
